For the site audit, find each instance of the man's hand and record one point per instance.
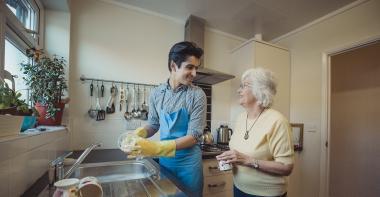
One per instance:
(155, 148)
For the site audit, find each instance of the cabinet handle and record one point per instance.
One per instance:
(213, 167)
(222, 184)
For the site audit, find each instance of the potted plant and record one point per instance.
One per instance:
(45, 77)
(10, 102)
(15, 115)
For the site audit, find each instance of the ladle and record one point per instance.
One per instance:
(127, 114)
(144, 106)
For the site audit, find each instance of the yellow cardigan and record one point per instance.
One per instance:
(269, 139)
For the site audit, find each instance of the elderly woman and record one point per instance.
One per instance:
(261, 149)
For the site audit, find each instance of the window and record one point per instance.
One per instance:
(19, 27)
(12, 59)
(25, 12)
(23, 17)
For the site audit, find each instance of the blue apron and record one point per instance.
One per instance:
(186, 165)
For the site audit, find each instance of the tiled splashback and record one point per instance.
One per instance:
(208, 91)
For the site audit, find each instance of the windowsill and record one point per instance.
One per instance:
(33, 132)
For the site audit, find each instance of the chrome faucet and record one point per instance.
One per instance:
(56, 170)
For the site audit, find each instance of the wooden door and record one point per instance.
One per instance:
(355, 123)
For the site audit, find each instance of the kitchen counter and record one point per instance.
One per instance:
(210, 155)
(107, 155)
(210, 151)
(40, 187)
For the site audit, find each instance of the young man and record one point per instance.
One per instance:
(178, 110)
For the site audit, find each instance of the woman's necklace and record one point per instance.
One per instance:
(246, 136)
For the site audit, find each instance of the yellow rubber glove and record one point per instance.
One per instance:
(142, 132)
(155, 148)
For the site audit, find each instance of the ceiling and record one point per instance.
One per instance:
(243, 18)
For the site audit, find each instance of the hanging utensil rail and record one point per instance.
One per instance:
(83, 78)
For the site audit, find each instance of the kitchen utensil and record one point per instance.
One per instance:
(111, 101)
(90, 187)
(122, 97)
(101, 114)
(102, 89)
(66, 187)
(127, 143)
(138, 102)
(224, 134)
(136, 113)
(133, 101)
(144, 106)
(92, 112)
(127, 114)
(207, 137)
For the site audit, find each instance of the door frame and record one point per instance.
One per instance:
(326, 107)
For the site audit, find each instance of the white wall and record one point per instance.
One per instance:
(57, 33)
(114, 42)
(57, 42)
(218, 56)
(307, 46)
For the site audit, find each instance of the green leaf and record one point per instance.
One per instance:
(46, 79)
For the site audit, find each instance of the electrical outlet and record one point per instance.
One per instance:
(310, 127)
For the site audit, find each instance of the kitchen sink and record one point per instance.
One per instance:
(117, 171)
(129, 178)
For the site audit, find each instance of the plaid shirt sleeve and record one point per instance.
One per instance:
(197, 120)
(153, 117)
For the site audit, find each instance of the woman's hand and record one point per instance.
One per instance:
(234, 157)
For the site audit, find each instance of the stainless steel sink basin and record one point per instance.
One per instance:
(116, 171)
(125, 178)
(128, 178)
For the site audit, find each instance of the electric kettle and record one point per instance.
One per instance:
(224, 134)
(207, 138)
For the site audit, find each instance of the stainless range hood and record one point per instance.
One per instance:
(194, 32)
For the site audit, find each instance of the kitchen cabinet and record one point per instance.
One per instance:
(216, 182)
(255, 53)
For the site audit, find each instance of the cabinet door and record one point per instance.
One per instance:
(218, 184)
(210, 168)
(228, 193)
(278, 61)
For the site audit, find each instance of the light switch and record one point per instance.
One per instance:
(310, 127)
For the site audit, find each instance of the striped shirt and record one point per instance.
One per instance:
(190, 97)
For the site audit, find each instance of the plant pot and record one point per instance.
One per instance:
(13, 111)
(10, 111)
(21, 113)
(42, 120)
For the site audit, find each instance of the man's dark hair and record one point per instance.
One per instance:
(181, 51)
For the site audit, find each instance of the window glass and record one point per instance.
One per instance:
(25, 13)
(13, 58)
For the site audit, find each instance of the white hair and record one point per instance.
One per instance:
(263, 85)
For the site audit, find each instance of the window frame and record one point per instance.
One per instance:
(12, 28)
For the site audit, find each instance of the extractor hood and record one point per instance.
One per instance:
(194, 32)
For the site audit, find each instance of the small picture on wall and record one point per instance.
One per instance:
(297, 129)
